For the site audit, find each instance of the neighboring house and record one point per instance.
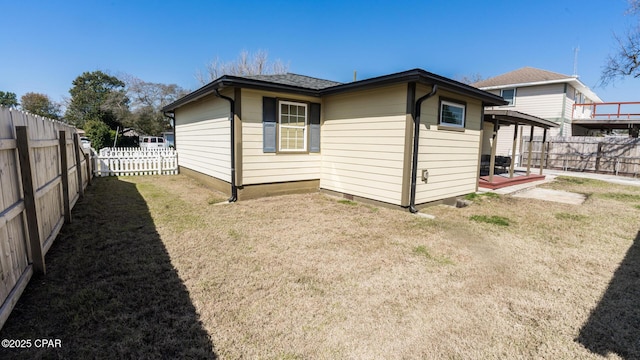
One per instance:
(541, 93)
(294, 133)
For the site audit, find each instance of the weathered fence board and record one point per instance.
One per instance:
(135, 161)
(619, 156)
(31, 200)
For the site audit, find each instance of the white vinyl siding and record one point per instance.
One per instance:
(203, 137)
(543, 101)
(259, 167)
(451, 157)
(505, 139)
(363, 138)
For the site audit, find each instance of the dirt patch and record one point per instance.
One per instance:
(560, 196)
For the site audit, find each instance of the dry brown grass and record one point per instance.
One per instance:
(309, 276)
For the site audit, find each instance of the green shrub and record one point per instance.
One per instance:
(99, 133)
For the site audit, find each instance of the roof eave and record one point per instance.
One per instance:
(419, 76)
(234, 81)
(585, 90)
(415, 75)
(533, 83)
(523, 118)
(575, 81)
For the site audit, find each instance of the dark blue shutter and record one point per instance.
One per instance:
(269, 124)
(314, 128)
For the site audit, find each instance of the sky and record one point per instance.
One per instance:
(48, 43)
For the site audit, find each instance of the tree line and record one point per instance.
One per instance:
(107, 107)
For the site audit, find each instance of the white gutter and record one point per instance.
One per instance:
(573, 81)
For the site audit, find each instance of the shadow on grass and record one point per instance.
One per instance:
(110, 290)
(614, 325)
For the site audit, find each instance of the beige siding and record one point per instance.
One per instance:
(452, 168)
(429, 113)
(363, 137)
(259, 167)
(203, 135)
(451, 157)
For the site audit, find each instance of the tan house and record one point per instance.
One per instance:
(263, 135)
(541, 93)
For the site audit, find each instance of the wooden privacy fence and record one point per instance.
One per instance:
(618, 156)
(135, 161)
(43, 172)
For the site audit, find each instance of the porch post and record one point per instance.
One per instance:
(530, 149)
(494, 136)
(542, 154)
(513, 150)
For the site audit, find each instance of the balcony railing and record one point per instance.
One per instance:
(607, 111)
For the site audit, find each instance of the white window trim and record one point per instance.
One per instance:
(281, 126)
(513, 102)
(453, 104)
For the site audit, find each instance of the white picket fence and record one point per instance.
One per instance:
(135, 161)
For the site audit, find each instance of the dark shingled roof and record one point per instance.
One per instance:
(294, 80)
(521, 76)
(309, 86)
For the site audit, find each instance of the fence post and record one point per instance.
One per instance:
(87, 159)
(549, 148)
(598, 156)
(64, 167)
(22, 142)
(76, 148)
(542, 154)
(530, 149)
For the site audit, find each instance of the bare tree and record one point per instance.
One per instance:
(246, 64)
(470, 79)
(626, 61)
(146, 102)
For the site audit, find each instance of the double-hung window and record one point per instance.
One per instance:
(452, 114)
(293, 122)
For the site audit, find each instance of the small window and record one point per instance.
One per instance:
(146, 140)
(293, 126)
(160, 140)
(452, 114)
(153, 140)
(509, 95)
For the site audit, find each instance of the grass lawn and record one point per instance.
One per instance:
(152, 268)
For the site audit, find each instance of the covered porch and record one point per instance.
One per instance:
(499, 171)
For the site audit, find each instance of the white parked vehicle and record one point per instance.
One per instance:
(152, 142)
(86, 143)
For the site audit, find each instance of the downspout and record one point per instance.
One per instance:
(416, 143)
(232, 105)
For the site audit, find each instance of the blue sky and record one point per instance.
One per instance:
(47, 44)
